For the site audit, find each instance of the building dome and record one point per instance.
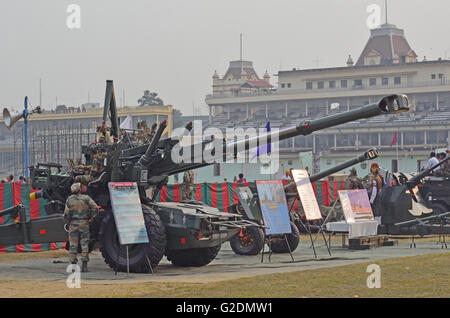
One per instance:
(387, 45)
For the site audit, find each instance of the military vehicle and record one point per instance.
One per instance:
(189, 233)
(404, 211)
(250, 241)
(435, 191)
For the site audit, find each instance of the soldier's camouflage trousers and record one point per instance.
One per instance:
(79, 234)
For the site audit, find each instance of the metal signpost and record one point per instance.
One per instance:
(10, 121)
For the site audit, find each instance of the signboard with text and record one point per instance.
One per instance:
(274, 209)
(306, 194)
(127, 210)
(356, 205)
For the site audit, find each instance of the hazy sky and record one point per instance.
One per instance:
(172, 47)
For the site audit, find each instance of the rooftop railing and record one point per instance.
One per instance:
(288, 91)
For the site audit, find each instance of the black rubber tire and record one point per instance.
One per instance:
(194, 257)
(251, 243)
(279, 244)
(138, 262)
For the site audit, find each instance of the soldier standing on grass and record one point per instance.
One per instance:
(79, 212)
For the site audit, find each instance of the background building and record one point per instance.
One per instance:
(387, 65)
(57, 135)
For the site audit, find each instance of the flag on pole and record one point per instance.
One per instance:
(394, 139)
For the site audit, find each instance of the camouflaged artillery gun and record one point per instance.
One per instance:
(404, 211)
(250, 241)
(189, 233)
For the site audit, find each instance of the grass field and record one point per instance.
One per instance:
(418, 276)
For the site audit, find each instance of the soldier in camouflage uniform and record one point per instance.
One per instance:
(354, 181)
(140, 132)
(79, 212)
(444, 170)
(188, 185)
(94, 170)
(376, 184)
(145, 134)
(152, 132)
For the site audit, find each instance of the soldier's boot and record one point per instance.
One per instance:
(84, 268)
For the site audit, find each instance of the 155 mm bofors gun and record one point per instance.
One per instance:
(188, 233)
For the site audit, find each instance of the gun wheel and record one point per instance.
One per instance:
(279, 244)
(116, 256)
(194, 257)
(250, 243)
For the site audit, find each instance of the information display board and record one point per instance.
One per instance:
(306, 194)
(274, 209)
(127, 210)
(356, 205)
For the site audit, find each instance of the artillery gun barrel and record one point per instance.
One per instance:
(145, 159)
(110, 106)
(411, 183)
(368, 155)
(13, 211)
(392, 104)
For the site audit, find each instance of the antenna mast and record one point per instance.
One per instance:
(386, 10)
(40, 92)
(240, 48)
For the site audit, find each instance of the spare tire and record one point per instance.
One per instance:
(137, 253)
(250, 243)
(195, 257)
(279, 244)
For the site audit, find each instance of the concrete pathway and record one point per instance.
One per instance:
(226, 266)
